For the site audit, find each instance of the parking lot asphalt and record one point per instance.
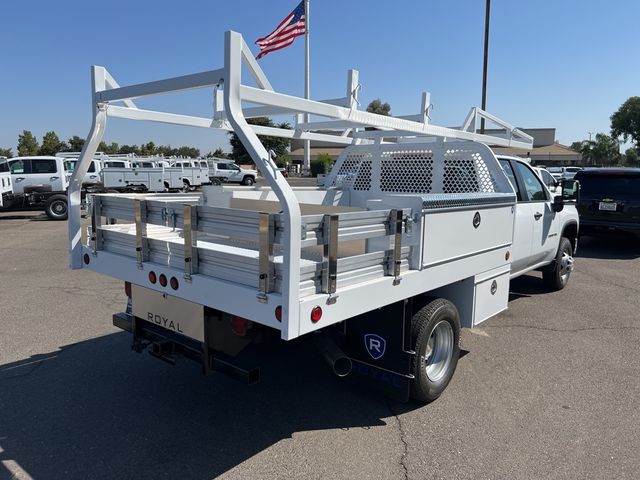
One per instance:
(547, 389)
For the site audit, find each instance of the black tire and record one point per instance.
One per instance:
(557, 275)
(56, 207)
(433, 366)
(185, 186)
(248, 180)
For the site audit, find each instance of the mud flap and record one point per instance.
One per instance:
(379, 345)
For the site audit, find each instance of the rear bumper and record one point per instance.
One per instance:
(590, 224)
(168, 346)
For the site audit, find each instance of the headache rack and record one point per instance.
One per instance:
(391, 221)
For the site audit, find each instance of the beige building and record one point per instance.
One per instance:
(545, 151)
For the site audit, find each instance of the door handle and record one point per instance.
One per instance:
(53, 179)
(19, 179)
(537, 215)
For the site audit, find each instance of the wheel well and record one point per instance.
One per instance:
(571, 232)
(186, 180)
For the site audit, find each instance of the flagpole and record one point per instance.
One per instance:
(307, 89)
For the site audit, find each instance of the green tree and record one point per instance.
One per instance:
(376, 106)
(583, 148)
(606, 150)
(27, 144)
(626, 121)
(279, 145)
(218, 153)
(75, 143)
(148, 149)
(126, 149)
(631, 157)
(321, 164)
(190, 152)
(6, 152)
(51, 144)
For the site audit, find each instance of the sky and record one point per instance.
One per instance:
(552, 63)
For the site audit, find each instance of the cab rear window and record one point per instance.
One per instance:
(603, 185)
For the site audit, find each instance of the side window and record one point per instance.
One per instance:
(506, 166)
(532, 185)
(222, 166)
(4, 167)
(548, 179)
(235, 167)
(18, 166)
(43, 166)
(92, 167)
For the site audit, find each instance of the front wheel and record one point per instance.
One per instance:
(248, 181)
(56, 207)
(557, 276)
(435, 331)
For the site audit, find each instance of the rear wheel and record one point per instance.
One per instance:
(185, 186)
(557, 276)
(435, 331)
(56, 207)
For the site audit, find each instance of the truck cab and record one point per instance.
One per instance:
(542, 222)
(228, 171)
(38, 174)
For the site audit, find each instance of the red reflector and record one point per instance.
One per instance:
(163, 280)
(239, 325)
(279, 313)
(86, 258)
(316, 314)
(174, 283)
(127, 289)
(152, 277)
(507, 256)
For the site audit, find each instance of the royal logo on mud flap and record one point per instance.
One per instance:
(375, 345)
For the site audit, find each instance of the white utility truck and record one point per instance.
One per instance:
(39, 182)
(155, 179)
(227, 171)
(415, 234)
(6, 190)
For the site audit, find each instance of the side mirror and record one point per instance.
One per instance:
(558, 203)
(570, 190)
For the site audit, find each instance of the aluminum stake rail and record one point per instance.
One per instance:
(251, 282)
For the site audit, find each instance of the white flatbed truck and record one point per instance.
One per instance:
(414, 235)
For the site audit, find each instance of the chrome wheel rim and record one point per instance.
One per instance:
(439, 351)
(566, 266)
(59, 207)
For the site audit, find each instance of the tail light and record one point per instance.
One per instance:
(316, 314)
(163, 280)
(239, 325)
(152, 277)
(127, 289)
(174, 283)
(86, 258)
(279, 313)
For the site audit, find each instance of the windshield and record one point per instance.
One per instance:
(610, 185)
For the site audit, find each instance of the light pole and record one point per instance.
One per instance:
(486, 60)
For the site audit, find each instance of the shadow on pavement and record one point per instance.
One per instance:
(36, 216)
(609, 246)
(97, 410)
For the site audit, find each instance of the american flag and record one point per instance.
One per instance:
(293, 25)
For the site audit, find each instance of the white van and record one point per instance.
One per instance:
(38, 174)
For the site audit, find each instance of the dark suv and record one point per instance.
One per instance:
(609, 199)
